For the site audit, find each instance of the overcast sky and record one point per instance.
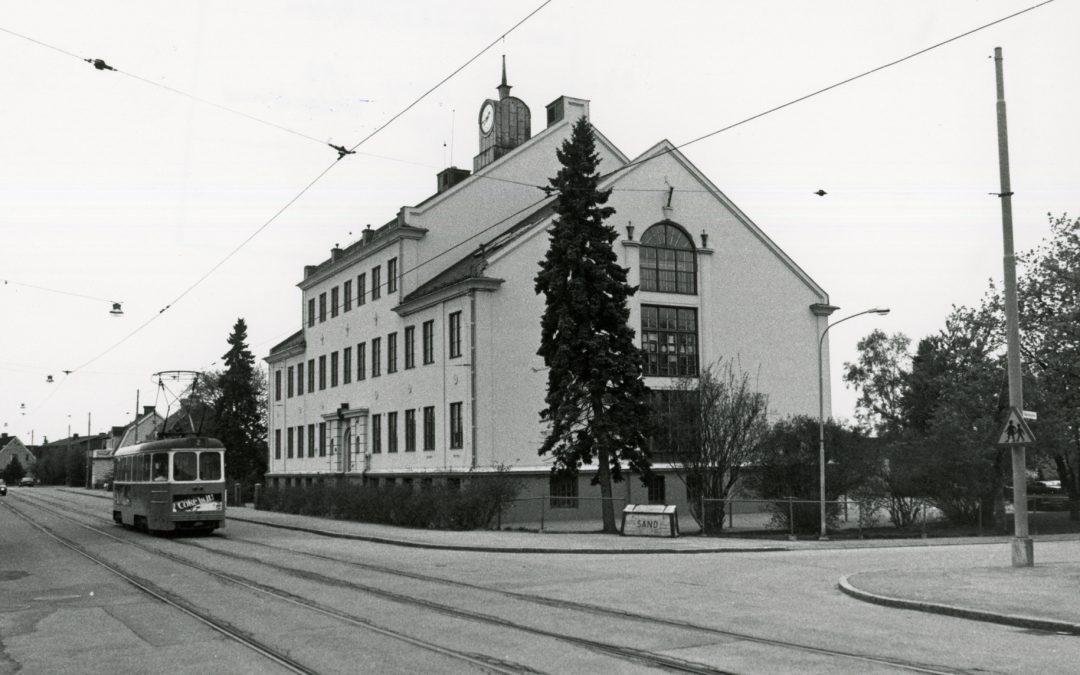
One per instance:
(117, 189)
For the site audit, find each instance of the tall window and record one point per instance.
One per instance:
(376, 282)
(429, 427)
(333, 369)
(361, 361)
(277, 443)
(391, 353)
(311, 312)
(334, 301)
(668, 264)
(670, 341)
(429, 342)
(300, 379)
(346, 365)
(376, 433)
(391, 432)
(300, 441)
(564, 492)
(322, 307)
(457, 437)
(311, 376)
(455, 334)
(277, 384)
(322, 439)
(322, 372)
(376, 357)
(289, 383)
(391, 275)
(346, 289)
(410, 347)
(410, 430)
(657, 490)
(289, 438)
(361, 289)
(311, 440)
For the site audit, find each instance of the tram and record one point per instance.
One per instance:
(172, 484)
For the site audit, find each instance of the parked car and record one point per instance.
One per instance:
(3, 488)
(26, 481)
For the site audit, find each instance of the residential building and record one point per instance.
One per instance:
(11, 448)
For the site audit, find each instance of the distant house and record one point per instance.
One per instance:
(141, 430)
(10, 448)
(64, 461)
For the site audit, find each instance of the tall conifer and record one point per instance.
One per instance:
(240, 412)
(596, 407)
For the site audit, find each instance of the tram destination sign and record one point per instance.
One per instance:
(196, 503)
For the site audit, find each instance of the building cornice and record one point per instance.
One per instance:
(328, 268)
(441, 295)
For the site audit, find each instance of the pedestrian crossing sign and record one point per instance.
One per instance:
(1015, 431)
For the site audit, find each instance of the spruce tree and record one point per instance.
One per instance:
(595, 404)
(240, 411)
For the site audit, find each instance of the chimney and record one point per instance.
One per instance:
(3, 437)
(334, 253)
(309, 270)
(448, 178)
(147, 409)
(367, 234)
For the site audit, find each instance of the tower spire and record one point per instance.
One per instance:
(504, 88)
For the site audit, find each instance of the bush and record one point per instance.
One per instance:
(475, 505)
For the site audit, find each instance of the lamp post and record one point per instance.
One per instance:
(821, 401)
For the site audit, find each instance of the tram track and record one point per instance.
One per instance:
(564, 605)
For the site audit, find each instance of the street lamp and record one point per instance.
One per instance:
(825, 310)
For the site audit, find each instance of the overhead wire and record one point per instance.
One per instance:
(54, 290)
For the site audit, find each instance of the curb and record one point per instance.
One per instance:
(1048, 625)
(506, 549)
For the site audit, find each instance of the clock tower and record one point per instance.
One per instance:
(503, 125)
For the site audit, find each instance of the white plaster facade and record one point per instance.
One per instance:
(473, 250)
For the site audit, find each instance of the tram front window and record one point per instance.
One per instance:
(209, 466)
(161, 466)
(185, 466)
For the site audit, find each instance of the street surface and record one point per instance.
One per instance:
(317, 604)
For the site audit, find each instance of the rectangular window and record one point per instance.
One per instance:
(311, 312)
(361, 361)
(322, 439)
(376, 355)
(429, 427)
(346, 290)
(311, 440)
(391, 275)
(669, 339)
(410, 347)
(376, 282)
(311, 376)
(300, 441)
(656, 490)
(456, 435)
(391, 432)
(300, 379)
(429, 342)
(346, 365)
(673, 419)
(391, 353)
(376, 434)
(322, 307)
(289, 383)
(361, 289)
(277, 443)
(322, 372)
(289, 439)
(564, 492)
(410, 430)
(455, 334)
(333, 369)
(277, 384)
(334, 302)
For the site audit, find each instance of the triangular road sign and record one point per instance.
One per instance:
(1015, 431)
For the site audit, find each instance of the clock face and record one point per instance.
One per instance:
(487, 118)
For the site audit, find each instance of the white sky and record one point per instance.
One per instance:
(116, 189)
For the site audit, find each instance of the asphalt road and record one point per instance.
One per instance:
(333, 605)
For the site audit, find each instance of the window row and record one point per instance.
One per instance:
(341, 297)
(295, 444)
(314, 375)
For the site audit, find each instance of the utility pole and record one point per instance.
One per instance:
(1023, 548)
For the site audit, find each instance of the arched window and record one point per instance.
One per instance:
(668, 263)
